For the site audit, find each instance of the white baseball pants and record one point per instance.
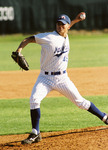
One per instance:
(60, 83)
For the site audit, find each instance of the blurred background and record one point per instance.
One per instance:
(28, 16)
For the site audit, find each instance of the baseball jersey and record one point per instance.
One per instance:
(54, 51)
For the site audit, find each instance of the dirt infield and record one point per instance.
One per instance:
(89, 81)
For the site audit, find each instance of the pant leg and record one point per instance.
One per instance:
(68, 89)
(39, 91)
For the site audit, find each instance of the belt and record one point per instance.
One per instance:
(55, 73)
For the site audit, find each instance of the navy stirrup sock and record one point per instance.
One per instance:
(35, 117)
(94, 110)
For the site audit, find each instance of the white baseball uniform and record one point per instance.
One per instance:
(53, 75)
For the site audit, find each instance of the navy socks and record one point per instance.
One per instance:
(94, 110)
(35, 117)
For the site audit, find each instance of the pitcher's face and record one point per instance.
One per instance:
(62, 29)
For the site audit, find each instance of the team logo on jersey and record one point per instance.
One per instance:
(59, 51)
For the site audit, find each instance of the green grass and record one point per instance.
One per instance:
(57, 114)
(88, 50)
(85, 51)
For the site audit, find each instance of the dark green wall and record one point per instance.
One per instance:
(26, 16)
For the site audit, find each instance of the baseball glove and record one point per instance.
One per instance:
(20, 60)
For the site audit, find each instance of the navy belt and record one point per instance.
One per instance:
(55, 73)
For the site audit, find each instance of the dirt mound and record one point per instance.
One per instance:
(95, 138)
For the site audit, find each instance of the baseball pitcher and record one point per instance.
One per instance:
(53, 73)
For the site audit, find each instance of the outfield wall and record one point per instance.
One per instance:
(28, 16)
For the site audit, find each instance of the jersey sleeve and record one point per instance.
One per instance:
(40, 38)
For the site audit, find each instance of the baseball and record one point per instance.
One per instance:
(83, 16)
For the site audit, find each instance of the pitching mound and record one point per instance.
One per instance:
(95, 138)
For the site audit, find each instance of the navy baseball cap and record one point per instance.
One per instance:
(64, 19)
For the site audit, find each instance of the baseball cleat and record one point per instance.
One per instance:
(105, 119)
(32, 138)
